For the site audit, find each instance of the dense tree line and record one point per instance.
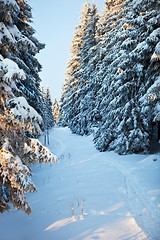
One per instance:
(21, 105)
(112, 85)
(47, 115)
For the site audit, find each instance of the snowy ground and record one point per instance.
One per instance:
(89, 195)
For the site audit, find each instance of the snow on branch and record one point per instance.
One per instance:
(152, 98)
(10, 70)
(18, 200)
(12, 35)
(35, 151)
(12, 169)
(156, 54)
(20, 108)
(4, 33)
(11, 3)
(155, 88)
(23, 111)
(17, 150)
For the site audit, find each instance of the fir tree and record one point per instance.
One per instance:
(18, 120)
(83, 41)
(83, 121)
(19, 45)
(55, 111)
(49, 116)
(70, 86)
(113, 77)
(16, 149)
(123, 128)
(44, 115)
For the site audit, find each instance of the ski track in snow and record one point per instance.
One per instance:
(89, 195)
(142, 207)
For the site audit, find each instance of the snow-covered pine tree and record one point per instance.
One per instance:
(132, 42)
(85, 99)
(55, 111)
(108, 51)
(47, 114)
(69, 109)
(70, 87)
(44, 110)
(49, 117)
(150, 101)
(19, 45)
(18, 119)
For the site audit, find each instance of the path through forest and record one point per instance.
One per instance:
(89, 195)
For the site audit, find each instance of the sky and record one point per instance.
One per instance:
(54, 22)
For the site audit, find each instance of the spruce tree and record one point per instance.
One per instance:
(49, 116)
(83, 120)
(18, 120)
(82, 42)
(113, 77)
(19, 45)
(123, 128)
(55, 111)
(17, 150)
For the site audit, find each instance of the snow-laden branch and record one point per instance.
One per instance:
(35, 151)
(11, 71)
(14, 170)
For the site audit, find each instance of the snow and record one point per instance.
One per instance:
(23, 110)
(89, 195)
(13, 36)
(13, 169)
(11, 2)
(15, 33)
(154, 36)
(156, 54)
(154, 85)
(35, 144)
(11, 69)
(4, 32)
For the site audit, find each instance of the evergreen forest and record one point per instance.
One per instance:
(112, 85)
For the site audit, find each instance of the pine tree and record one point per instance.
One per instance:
(16, 148)
(44, 115)
(49, 116)
(19, 45)
(83, 120)
(55, 111)
(70, 86)
(83, 41)
(113, 77)
(123, 127)
(18, 120)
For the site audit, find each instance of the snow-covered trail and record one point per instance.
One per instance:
(89, 195)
